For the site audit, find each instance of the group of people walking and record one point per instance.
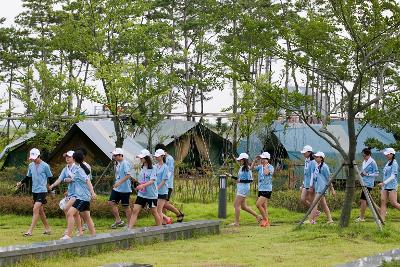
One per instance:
(315, 184)
(154, 186)
(369, 173)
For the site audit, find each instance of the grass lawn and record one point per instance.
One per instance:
(248, 245)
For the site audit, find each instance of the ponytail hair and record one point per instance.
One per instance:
(78, 157)
(312, 156)
(391, 162)
(245, 166)
(320, 166)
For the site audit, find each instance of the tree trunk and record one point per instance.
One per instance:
(186, 63)
(235, 107)
(235, 122)
(9, 104)
(173, 48)
(70, 77)
(119, 132)
(350, 180)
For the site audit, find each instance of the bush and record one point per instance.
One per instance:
(22, 205)
(290, 199)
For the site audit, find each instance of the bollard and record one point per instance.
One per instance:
(222, 197)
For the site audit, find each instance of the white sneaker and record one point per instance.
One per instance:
(65, 237)
(359, 220)
(118, 224)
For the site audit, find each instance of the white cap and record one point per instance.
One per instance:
(34, 153)
(144, 153)
(265, 155)
(69, 153)
(243, 156)
(319, 154)
(307, 148)
(159, 152)
(388, 151)
(118, 151)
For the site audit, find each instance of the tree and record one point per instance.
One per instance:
(123, 46)
(195, 51)
(247, 37)
(346, 43)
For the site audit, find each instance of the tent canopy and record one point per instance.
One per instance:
(14, 145)
(99, 132)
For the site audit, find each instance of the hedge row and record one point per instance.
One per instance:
(290, 200)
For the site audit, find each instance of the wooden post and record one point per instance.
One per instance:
(371, 203)
(315, 201)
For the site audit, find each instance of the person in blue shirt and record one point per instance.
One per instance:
(389, 183)
(243, 189)
(162, 181)
(309, 166)
(84, 193)
(169, 160)
(319, 183)
(84, 152)
(39, 173)
(121, 189)
(265, 171)
(66, 176)
(369, 171)
(147, 190)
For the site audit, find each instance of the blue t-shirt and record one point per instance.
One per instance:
(169, 160)
(82, 191)
(69, 172)
(244, 176)
(264, 181)
(309, 167)
(321, 178)
(371, 169)
(123, 169)
(39, 173)
(162, 174)
(387, 172)
(145, 175)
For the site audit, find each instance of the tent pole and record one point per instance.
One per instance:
(104, 172)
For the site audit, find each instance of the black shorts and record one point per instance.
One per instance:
(163, 196)
(389, 190)
(169, 193)
(363, 197)
(116, 197)
(266, 194)
(39, 197)
(152, 203)
(81, 205)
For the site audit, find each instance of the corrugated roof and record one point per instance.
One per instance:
(296, 135)
(102, 133)
(166, 131)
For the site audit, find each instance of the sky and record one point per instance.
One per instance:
(220, 99)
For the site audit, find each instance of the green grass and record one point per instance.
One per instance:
(248, 245)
